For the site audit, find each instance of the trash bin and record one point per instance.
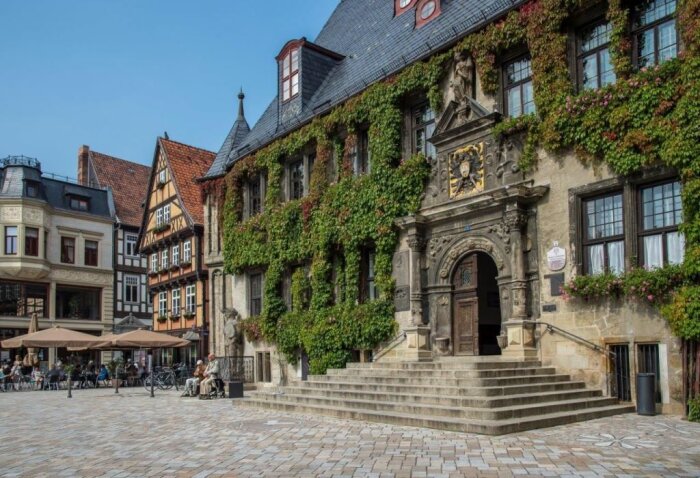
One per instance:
(646, 394)
(235, 389)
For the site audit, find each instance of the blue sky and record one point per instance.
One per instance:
(114, 74)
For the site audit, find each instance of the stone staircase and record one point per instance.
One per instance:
(486, 395)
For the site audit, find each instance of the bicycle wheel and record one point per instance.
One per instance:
(166, 381)
(147, 381)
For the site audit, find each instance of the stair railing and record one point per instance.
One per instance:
(389, 345)
(552, 329)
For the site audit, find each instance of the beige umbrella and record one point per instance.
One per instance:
(30, 358)
(53, 337)
(142, 339)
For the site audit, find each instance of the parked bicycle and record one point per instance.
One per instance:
(163, 378)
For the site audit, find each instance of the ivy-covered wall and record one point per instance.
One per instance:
(647, 118)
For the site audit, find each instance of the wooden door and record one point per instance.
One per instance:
(465, 312)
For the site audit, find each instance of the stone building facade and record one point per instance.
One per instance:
(479, 267)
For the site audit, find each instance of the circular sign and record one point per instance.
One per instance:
(556, 258)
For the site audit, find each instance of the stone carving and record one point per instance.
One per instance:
(502, 230)
(32, 216)
(515, 218)
(470, 245)
(437, 244)
(86, 278)
(462, 86)
(444, 301)
(467, 171)
(402, 301)
(10, 214)
(416, 242)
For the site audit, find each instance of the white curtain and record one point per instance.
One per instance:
(596, 259)
(616, 256)
(653, 252)
(675, 242)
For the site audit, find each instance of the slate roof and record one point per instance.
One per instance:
(375, 44)
(188, 163)
(129, 184)
(239, 131)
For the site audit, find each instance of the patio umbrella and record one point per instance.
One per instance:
(30, 358)
(53, 337)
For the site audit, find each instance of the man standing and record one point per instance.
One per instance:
(210, 374)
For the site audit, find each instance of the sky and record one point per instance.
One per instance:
(115, 74)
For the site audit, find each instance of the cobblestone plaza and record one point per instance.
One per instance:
(100, 434)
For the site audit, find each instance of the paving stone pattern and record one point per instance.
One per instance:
(100, 434)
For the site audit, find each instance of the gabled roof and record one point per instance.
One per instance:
(375, 44)
(128, 181)
(188, 163)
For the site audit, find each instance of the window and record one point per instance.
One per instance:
(10, 240)
(187, 252)
(131, 289)
(255, 196)
(255, 302)
(31, 241)
(159, 217)
(296, 180)
(655, 32)
(648, 362)
(32, 189)
(290, 75)
(519, 98)
(604, 246)
(191, 299)
(162, 304)
(162, 176)
(164, 259)
(18, 299)
(130, 245)
(78, 303)
(176, 255)
(79, 204)
(661, 212)
(360, 156)
(402, 6)
(166, 214)
(594, 65)
(367, 281)
(154, 262)
(90, 253)
(176, 302)
(263, 365)
(68, 250)
(426, 11)
(621, 368)
(423, 124)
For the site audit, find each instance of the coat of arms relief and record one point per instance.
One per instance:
(466, 169)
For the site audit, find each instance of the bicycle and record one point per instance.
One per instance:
(164, 379)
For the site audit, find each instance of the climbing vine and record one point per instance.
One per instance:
(647, 118)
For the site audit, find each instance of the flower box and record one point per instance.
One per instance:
(162, 319)
(185, 264)
(189, 315)
(161, 228)
(175, 318)
(175, 267)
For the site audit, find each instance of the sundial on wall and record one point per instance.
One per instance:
(467, 171)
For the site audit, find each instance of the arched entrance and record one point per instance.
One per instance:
(476, 306)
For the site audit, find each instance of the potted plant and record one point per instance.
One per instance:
(189, 315)
(174, 317)
(162, 318)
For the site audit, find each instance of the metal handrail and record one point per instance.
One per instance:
(551, 328)
(388, 345)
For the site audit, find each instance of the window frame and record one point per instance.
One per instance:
(255, 302)
(154, 262)
(255, 203)
(428, 147)
(11, 241)
(131, 291)
(637, 31)
(175, 302)
(28, 249)
(164, 259)
(166, 214)
(175, 260)
(65, 248)
(291, 167)
(162, 176)
(505, 87)
(287, 78)
(641, 233)
(79, 203)
(187, 251)
(586, 243)
(191, 298)
(131, 240)
(162, 303)
(596, 51)
(420, 20)
(91, 259)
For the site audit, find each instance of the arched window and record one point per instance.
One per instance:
(290, 74)
(402, 6)
(426, 10)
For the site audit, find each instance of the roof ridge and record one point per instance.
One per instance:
(186, 145)
(120, 159)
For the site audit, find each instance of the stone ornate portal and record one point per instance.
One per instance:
(467, 171)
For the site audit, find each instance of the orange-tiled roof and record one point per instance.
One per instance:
(188, 163)
(129, 183)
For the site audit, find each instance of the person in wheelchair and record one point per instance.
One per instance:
(210, 375)
(192, 383)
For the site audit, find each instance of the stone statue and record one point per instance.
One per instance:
(233, 333)
(462, 84)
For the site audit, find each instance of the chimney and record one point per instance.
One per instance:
(83, 160)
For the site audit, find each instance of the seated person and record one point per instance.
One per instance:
(192, 383)
(53, 376)
(210, 375)
(38, 378)
(90, 375)
(103, 375)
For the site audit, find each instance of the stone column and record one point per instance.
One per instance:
(520, 334)
(418, 334)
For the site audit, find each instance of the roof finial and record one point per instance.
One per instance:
(165, 135)
(241, 97)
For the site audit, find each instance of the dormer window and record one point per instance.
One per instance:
(290, 74)
(403, 6)
(32, 189)
(78, 203)
(426, 10)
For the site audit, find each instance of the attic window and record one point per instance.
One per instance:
(78, 203)
(402, 6)
(426, 11)
(290, 75)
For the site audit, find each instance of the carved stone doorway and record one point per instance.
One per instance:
(476, 306)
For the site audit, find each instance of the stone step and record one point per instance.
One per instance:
(470, 391)
(432, 381)
(487, 427)
(466, 363)
(440, 373)
(413, 396)
(502, 413)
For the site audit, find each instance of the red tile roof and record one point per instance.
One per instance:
(187, 164)
(129, 184)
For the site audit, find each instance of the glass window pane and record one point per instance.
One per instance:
(675, 247)
(653, 252)
(596, 259)
(616, 257)
(514, 105)
(528, 98)
(589, 70)
(295, 84)
(667, 41)
(645, 48)
(607, 73)
(295, 60)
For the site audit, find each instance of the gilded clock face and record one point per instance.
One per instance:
(467, 171)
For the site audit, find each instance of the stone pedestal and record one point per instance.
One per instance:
(418, 344)
(521, 341)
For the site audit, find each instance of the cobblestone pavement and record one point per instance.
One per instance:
(98, 433)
